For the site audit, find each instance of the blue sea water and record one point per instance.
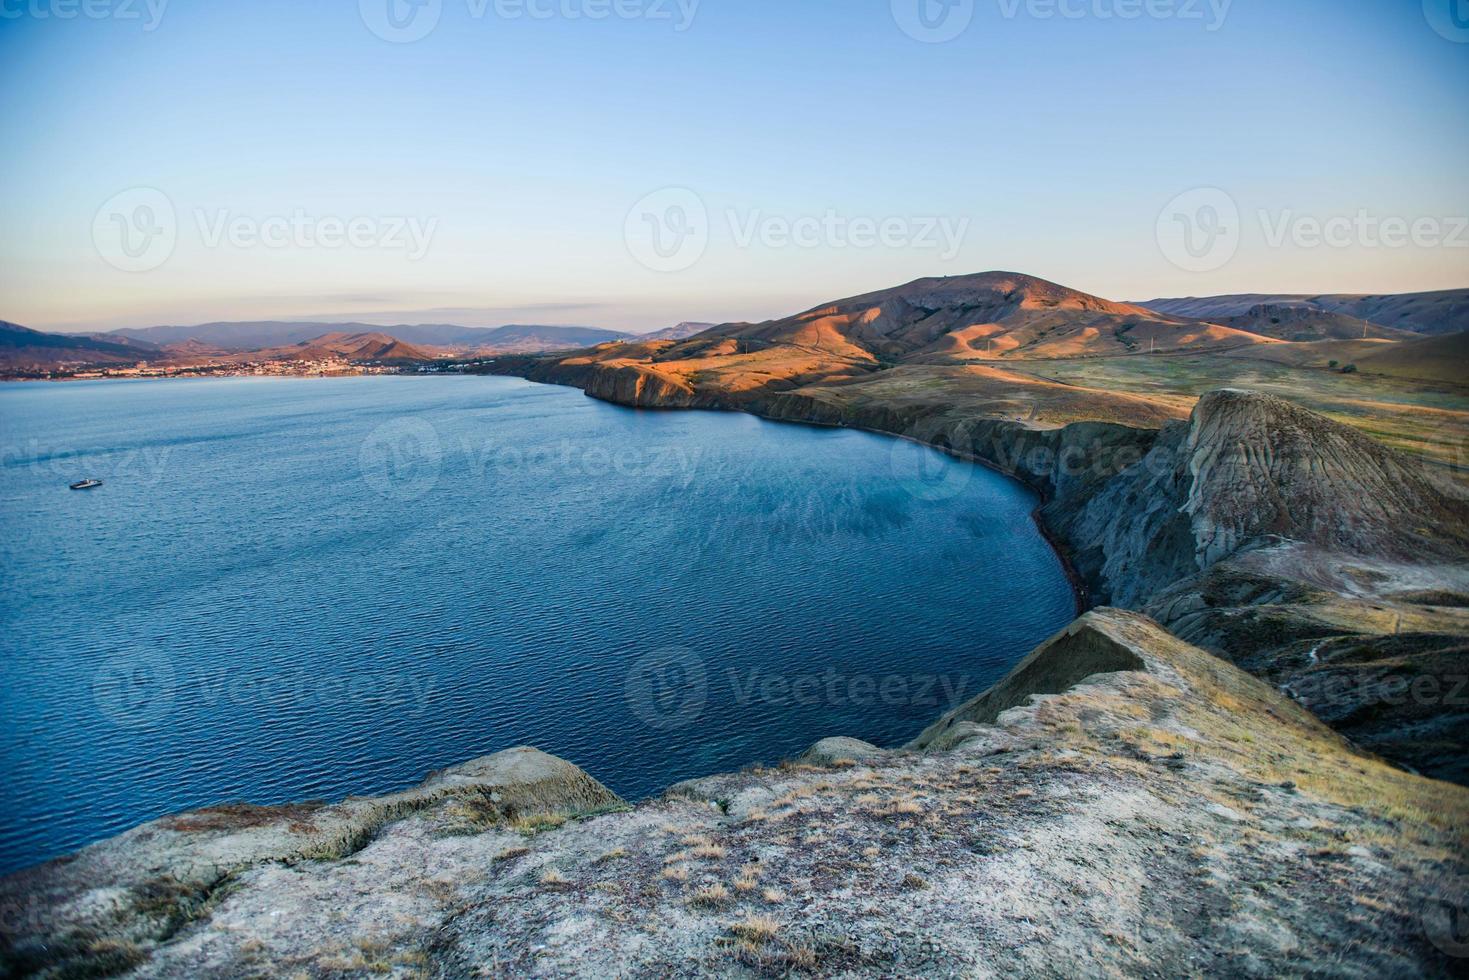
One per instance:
(292, 589)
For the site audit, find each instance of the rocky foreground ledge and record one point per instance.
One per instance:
(1122, 803)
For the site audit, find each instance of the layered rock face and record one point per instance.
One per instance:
(1248, 467)
(1107, 809)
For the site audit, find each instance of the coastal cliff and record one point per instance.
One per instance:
(1292, 545)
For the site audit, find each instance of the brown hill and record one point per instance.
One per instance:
(987, 316)
(1443, 311)
(346, 346)
(1308, 323)
(1444, 358)
(23, 350)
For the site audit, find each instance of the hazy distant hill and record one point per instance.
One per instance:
(1308, 323)
(522, 338)
(262, 334)
(679, 331)
(1444, 311)
(24, 349)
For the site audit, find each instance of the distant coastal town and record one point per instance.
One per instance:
(330, 368)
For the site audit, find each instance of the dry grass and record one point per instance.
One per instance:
(553, 878)
(756, 928)
(710, 896)
(539, 823)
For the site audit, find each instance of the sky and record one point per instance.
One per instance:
(635, 163)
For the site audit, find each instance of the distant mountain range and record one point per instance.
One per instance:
(375, 347)
(22, 346)
(948, 320)
(1440, 312)
(260, 334)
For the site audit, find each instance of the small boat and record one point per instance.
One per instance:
(86, 484)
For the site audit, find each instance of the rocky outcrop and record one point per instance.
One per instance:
(113, 901)
(1122, 803)
(1248, 468)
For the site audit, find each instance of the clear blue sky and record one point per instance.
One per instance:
(524, 142)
